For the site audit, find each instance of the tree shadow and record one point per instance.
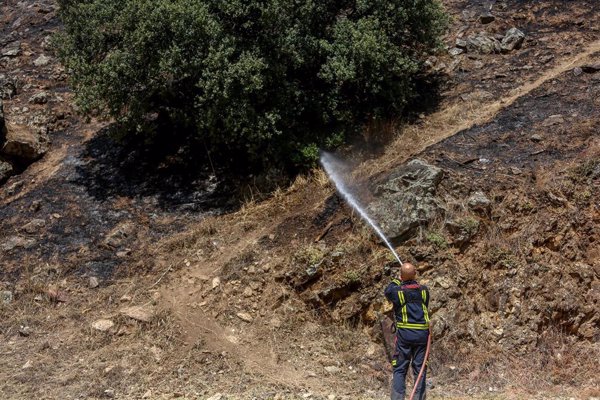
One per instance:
(171, 176)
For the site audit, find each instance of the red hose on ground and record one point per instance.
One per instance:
(422, 367)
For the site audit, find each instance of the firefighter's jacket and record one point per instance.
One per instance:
(411, 302)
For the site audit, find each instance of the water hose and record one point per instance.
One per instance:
(412, 395)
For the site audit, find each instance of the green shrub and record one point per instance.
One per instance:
(261, 82)
(437, 239)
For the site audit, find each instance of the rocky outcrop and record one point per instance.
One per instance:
(484, 44)
(406, 200)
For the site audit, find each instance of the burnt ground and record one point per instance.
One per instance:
(147, 232)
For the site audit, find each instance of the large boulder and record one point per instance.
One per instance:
(406, 200)
(23, 144)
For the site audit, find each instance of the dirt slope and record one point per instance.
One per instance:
(229, 302)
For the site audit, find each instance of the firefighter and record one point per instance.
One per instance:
(411, 301)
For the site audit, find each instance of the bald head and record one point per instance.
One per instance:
(408, 272)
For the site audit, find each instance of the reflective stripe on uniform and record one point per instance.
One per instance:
(425, 312)
(397, 282)
(401, 325)
(403, 304)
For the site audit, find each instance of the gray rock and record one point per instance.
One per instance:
(93, 282)
(577, 71)
(461, 43)
(8, 87)
(6, 296)
(41, 61)
(406, 200)
(16, 242)
(6, 170)
(480, 203)
(40, 98)
(12, 49)
(246, 317)
(483, 44)
(512, 40)
(455, 51)
(23, 143)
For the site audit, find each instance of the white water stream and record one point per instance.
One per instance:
(333, 168)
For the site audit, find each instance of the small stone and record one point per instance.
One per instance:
(41, 61)
(27, 365)
(6, 170)
(577, 71)
(515, 171)
(246, 317)
(25, 331)
(147, 395)
(139, 313)
(103, 325)
(110, 393)
(455, 51)
(332, 369)
(6, 296)
(125, 298)
(536, 138)
(479, 202)
(216, 282)
(248, 292)
(331, 397)
(11, 50)
(217, 396)
(93, 283)
(34, 226)
(461, 43)
(40, 98)
(553, 120)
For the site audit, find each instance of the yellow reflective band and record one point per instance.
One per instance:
(397, 282)
(425, 312)
(402, 301)
(394, 362)
(402, 325)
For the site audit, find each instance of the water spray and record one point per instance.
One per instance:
(332, 166)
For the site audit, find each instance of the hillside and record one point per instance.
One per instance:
(124, 280)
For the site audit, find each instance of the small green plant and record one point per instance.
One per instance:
(352, 276)
(309, 256)
(437, 239)
(470, 225)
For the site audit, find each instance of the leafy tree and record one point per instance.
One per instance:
(258, 82)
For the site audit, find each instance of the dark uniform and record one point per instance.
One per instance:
(411, 302)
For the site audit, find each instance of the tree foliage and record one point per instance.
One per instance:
(256, 81)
